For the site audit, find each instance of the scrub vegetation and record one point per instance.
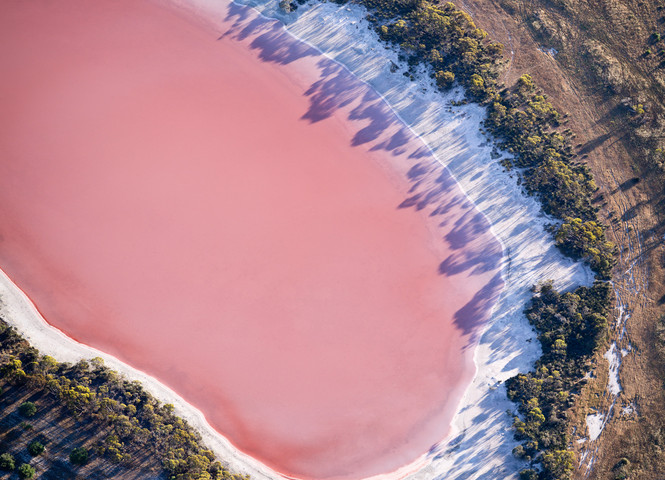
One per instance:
(85, 421)
(604, 61)
(571, 326)
(521, 119)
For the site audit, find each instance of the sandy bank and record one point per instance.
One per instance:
(17, 310)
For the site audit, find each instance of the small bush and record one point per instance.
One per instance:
(26, 471)
(622, 469)
(528, 474)
(27, 409)
(7, 462)
(35, 448)
(79, 456)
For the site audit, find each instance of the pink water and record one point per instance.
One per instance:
(225, 209)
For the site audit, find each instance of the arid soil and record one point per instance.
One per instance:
(630, 200)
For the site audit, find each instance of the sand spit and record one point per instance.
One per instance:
(480, 444)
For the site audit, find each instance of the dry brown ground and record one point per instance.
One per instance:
(635, 213)
(55, 427)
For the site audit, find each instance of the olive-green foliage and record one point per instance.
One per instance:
(558, 464)
(528, 474)
(570, 327)
(7, 462)
(27, 409)
(35, 448)
(562, 187)
(526, 125)
(524, 122)
(137, 421)
(79, 456)
(587, 240)
(446, 39)
(26, 471)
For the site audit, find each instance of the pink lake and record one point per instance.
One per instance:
(218, 205)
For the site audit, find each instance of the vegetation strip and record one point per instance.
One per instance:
(570, 326)
(134, 424)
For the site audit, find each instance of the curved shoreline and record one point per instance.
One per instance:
(480, 442)
(20, 312)
(463, 127)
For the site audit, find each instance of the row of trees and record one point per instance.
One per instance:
(136, 421)
(35, 448)
(523, 121)
(8, 464)
(527, 126)
(445, 38)
(570, 326)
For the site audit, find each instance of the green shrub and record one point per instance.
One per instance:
(35, 448)
(27, 409)
(570, 328)
(528, 474)
(7, 462)
(586, 240)
(79, 456)
(26, 471)
(622, 469)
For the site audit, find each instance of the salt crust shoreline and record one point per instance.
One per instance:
(480, 443)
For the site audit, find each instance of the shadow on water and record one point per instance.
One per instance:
(472, 316)
(271, 41)
(473, 250)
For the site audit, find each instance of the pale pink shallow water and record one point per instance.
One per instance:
(225, 209)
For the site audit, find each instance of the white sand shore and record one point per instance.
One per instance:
(19, 311)
(481, 441)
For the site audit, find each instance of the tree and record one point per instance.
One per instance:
(35, 448)
(558, 464)
(528, 475)
(587, 240)
(564, 190)
(525, 83)
(79, 456)
(477, 85)
(286, 6)
(26, 471)
(444, 79)
(622, 469)
(7, 462)
(27, 409)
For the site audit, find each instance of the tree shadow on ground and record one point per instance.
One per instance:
(373, 126)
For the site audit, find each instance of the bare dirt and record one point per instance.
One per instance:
(630, 198)
(60, 432)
